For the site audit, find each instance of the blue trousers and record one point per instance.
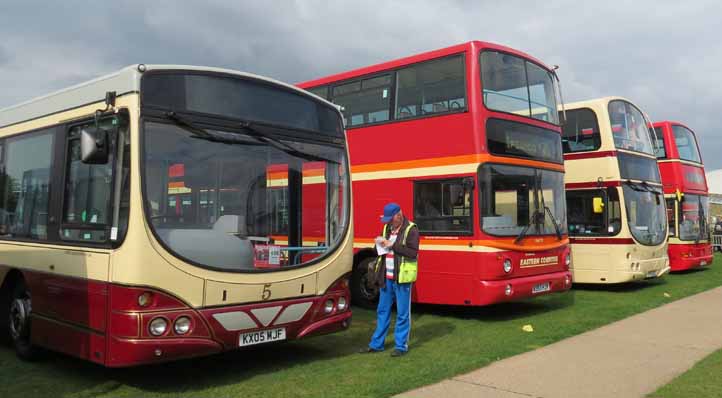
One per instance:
(401, 293)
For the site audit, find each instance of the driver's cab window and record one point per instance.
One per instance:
(88, 193)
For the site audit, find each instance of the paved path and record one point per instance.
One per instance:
(629, 358)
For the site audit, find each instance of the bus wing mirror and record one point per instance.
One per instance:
(94, 145)
(598, 205)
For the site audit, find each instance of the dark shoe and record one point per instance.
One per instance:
(367, 350)
(398, 353)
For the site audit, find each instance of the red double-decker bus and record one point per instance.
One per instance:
(685, 190)
(467, 140)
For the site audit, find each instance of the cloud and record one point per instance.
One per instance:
(664, 55)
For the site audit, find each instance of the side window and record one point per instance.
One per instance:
(581, 131)
(431, 87)
(443, 206)
(87, 203)
(586, 219)
(26, 186)
(660, 151)
(364, 101)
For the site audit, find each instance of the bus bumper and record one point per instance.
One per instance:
(496, 291)
(684, 257)
(133, 352)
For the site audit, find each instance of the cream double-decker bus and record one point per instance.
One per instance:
(615, 203)
(139, 221)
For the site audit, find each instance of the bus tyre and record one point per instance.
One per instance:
(19, 322)
(362, 294)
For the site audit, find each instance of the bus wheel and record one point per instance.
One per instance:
(362, 294)
(19, 322)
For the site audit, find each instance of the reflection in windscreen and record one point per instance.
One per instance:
(232, 204)
(693, 212)
(686, 144)
(512, 84)
(647, 215)
(512, 196)
(629, 128)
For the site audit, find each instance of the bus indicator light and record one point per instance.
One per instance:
(144, 299)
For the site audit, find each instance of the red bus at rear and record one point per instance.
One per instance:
(685, 190)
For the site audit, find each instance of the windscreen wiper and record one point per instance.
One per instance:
(280, 145)
(201, 133)
(534, 219)
(547, 210)
(554, 221)
(645, 187)
(196, 131)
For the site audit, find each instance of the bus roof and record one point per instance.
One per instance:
(590, 102)
(413, 59)
(123, 81)
(673, 123)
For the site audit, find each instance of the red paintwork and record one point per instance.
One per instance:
(688, 256)
(593, 184)
(687, 178)
(601, 241)
(103, 322)
(445, 277)
(589, 155)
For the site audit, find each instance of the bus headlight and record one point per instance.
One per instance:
(182, 325)
(507, 265)
(328, 307)
(158, 326)
(568, 259)
(341, 303)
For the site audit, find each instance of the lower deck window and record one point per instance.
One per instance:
(586, 219)
(443, 206)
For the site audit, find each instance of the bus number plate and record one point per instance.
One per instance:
(541, 287)
(261, 336)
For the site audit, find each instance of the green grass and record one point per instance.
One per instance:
(445, 341)
(702, 381)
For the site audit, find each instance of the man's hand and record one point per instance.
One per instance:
(386, 243)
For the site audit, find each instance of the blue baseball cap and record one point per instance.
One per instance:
(390, 211)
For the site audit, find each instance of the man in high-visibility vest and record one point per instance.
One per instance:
(394, 272)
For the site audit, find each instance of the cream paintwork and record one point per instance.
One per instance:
(142, 261)
(610, 263)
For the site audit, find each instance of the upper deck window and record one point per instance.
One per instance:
(364, 101)
(629, 128)
(581, 131)
(686, 144)
(430, 88)
(660, 151)
(514, 85)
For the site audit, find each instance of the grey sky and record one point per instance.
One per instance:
(663, 55)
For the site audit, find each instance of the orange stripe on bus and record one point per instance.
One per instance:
(450, 161)
(547, 243)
